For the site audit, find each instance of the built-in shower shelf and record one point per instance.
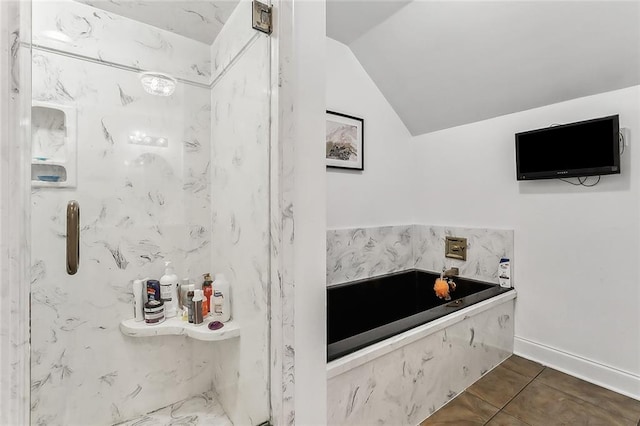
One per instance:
(175, 326)
(47, 162)
(53, 145)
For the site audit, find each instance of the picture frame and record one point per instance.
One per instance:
(344, 141)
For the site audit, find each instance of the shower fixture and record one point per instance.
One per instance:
(158, 84)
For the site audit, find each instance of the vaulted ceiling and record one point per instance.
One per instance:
(442, 64)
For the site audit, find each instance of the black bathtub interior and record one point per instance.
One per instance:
(367, 311)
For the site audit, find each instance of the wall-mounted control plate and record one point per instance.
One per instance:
(455, 248)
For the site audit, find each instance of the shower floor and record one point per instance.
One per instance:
(201, 409)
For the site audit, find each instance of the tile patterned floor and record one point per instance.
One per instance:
(520, 392)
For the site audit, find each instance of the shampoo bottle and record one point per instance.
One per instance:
(168, 290)
(139, 290)
(504, 273)
(222, 286)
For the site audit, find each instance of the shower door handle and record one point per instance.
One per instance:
(73, 237)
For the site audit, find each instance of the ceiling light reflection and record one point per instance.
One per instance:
(158, 84)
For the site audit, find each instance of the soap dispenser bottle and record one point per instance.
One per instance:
(169, 290)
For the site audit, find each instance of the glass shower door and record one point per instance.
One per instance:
(150, 125)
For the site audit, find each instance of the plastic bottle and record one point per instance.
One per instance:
(190, 294)
(154, 308)
(216, 305)
(138, 300)
(207, 288)
(198, 318)
(153, 290)
(504, 273)
(168, 290)
(184, 288)
(222, 285)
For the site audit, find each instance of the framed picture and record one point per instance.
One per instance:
(344, 141)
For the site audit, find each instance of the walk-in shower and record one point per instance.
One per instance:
(151, 119)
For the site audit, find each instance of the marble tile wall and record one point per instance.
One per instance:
(233, 39)
(197, 410)
(140, 205)
(15, 105)
(195, 19)
(282, 195)
(359, 253)
(240, 118)
(83, 30)
(485, 248)
(406, 385)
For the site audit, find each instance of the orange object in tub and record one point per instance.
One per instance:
(441, 288)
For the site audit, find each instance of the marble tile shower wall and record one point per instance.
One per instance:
(360, 253)
(83, 30)
(15, 106)
(233, 39)
(140, 206)
(240, 222)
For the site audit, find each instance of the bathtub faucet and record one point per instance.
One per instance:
(445, 285)
(451, 272)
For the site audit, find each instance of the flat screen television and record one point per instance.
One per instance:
(585, 148)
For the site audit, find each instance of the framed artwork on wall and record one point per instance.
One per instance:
(344, 141)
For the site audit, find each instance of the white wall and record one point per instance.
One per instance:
(298, 215)
(379, 195)
(576, 249)
(309, 215)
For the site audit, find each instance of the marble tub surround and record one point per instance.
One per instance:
(485, 248)
(79, 29)
(140, 205)
(415, 377)
(359, 253)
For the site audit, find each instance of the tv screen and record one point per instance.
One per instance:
(585, 148)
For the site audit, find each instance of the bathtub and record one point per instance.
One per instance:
(397, 353)
(367, 311)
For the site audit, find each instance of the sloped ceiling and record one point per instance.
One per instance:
(446, 63)
(349, 19)
(198, 20)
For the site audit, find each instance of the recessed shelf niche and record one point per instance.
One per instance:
(54, 144)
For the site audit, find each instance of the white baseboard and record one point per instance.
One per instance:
(617, 380)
